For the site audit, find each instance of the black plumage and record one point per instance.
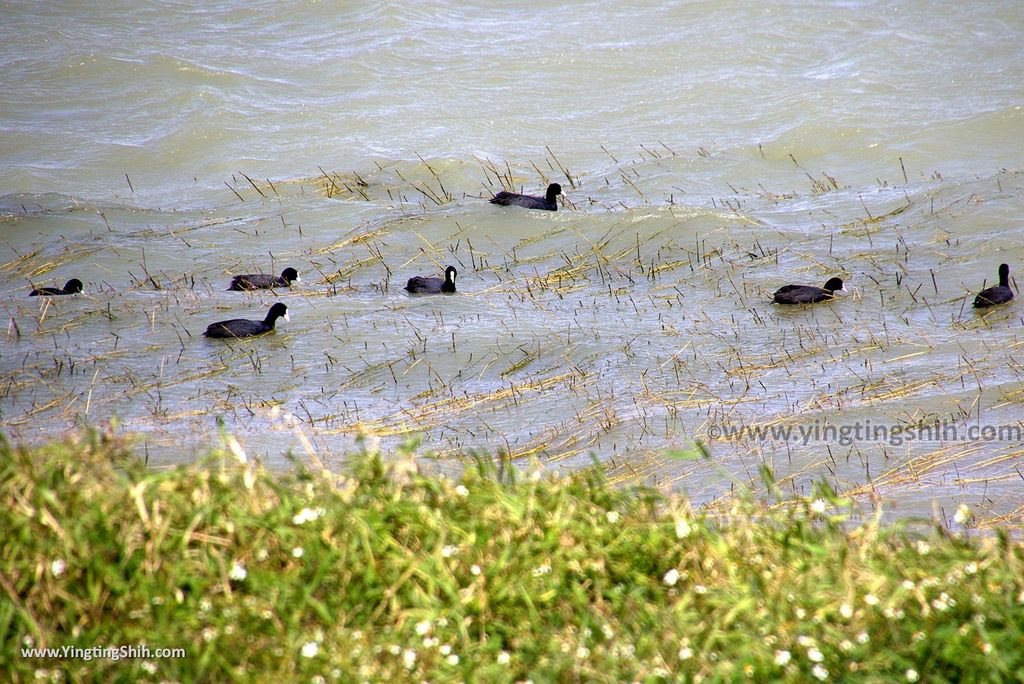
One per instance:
(425, 285)
(548, 203)
(73, 286)
(262, 281)
(241, 327)
(807, 294)
(998, 294)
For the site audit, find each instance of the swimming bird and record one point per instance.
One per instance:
(262, 281)
(998, 294)
(548, 203)
(424, 285)
(808, 294)
(73, 286)
(241, 327)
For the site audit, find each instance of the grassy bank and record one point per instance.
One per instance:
(386, 574)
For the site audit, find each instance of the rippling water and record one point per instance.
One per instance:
(710, 152)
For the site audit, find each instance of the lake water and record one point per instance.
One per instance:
(710, 152)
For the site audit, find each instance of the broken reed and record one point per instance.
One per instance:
(648, 272)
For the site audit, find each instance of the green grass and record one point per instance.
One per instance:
(386, 574)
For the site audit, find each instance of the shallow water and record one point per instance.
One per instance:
(709, 152)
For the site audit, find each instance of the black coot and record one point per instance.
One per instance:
(424, 285)
(262, 281)
(547, 203)
(73, 286)
(241, 327)
(807, 294)
(999, 294)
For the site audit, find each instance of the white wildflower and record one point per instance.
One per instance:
(422, 627)
(58, 567)
(814, 655)
(962, 515)
(685, 653)
(238, 572)
(462, 491)
(310, 649)
(912, 675)
(871, 600)
(818, 506)
(504, 658)
(452, 659)
(409, 658)
(683, 529)
(846, 610)
(307, 515)
(298, 552)
(820, 672)
(782, 658)
(671, 577)
(612, 516)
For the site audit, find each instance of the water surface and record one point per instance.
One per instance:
(709, 152)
